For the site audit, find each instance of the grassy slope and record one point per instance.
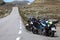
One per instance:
(50, 9)
(5, 10)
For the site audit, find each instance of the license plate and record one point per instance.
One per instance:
(53, 29)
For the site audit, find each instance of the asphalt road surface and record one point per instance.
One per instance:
(9, 25)
(12, 28)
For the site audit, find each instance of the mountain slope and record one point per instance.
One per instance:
(50, 8)
(21, 2)
(2, 2)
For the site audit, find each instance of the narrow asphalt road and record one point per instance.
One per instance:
(9, 25)
(12, 28)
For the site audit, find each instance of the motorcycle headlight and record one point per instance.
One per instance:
(27, 24)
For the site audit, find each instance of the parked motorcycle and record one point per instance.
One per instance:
(48, 30)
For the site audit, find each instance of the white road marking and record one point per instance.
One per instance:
(20, 32)
(18, 38)
(20, 27)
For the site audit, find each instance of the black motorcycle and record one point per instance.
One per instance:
(29, 25)
(50, 31)
(47, 30)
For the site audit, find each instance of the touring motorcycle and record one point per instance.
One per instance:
(48, 30)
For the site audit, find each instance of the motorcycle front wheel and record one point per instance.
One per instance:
(28, 28)
(34, 31)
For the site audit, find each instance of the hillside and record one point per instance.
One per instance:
(20, 3)
(5, 9)
(47, 5)
(2, 2)
(50, 8)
